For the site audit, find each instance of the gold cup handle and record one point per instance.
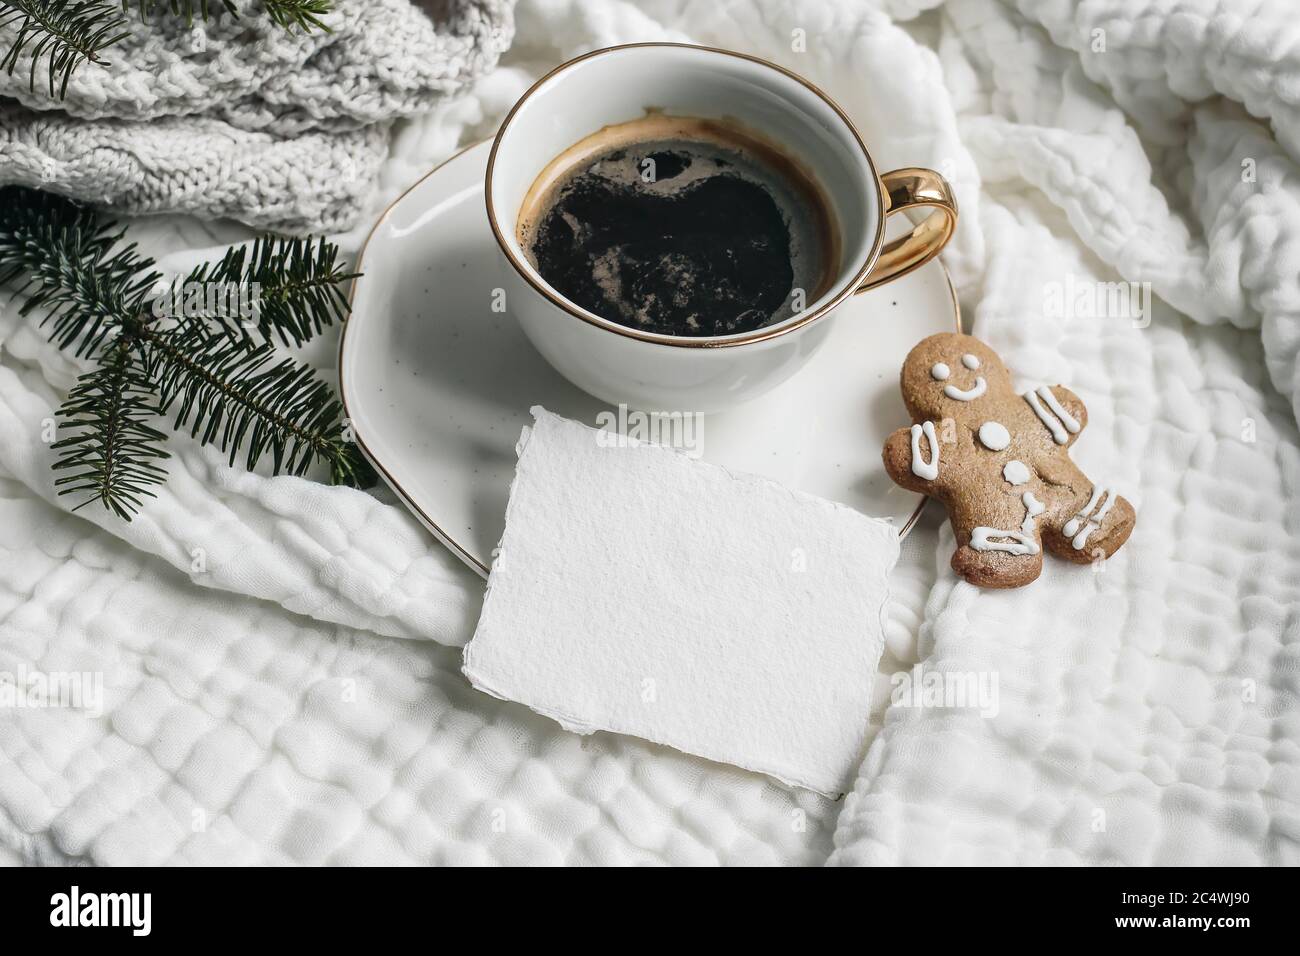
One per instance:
(907, 189)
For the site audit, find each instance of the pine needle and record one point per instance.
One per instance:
(238, 398)
(293, 285)
(226, 389)
(63, 256)
(112, 451)
(287, 14)
(303, 14)
(64, 34)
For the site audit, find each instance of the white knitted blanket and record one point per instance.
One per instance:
(258, 708)
(241, 118)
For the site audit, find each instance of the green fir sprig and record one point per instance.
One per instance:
(297, 282)
(216, 374)
(287, 14)
(58, 36)
(303, 14)
(111, 451)
(63, 34)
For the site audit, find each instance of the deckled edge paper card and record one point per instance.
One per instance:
(640, 591)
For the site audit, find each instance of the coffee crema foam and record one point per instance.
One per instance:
(679, 226)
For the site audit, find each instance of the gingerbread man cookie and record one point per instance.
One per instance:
(1000, 463)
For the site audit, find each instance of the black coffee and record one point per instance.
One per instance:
(679, 227)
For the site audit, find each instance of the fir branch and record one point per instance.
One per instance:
(227, 389)
(64, 258)
(112, 450)
(303, 14)
(293, 285)
(234, 397)
(66, 34)
(287, 14)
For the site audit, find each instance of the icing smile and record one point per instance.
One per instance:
(965, 395)
(940, 372)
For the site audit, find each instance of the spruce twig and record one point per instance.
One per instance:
(235, 397)
(113, 449)
(303, 14)
(226, 389)
(66, 260)
(296, 286)
(287, 14)
(66, 34)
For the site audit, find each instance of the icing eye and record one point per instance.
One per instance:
(939, 372)
(970, 361)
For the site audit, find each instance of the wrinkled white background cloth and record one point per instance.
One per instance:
(261, 704)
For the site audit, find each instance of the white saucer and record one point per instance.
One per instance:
(437, 385)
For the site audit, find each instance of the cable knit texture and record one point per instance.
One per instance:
(238, 117)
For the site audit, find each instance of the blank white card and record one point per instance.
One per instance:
(639, 591)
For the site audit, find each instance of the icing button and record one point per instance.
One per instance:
(1016, 472)
(994, 436)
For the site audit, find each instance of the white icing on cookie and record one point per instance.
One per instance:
(1087, 519)
(1023, 541)
(1072, 525)
(929, 470)
(1033, 508)
(939, 372)
(975, 391)
(1101, 513)
(970, 361)
(1055, 417)
(994, 436)
(1011, 542)
(1016, 472)
(1068, 420)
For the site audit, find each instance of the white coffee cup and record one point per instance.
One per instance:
(686, 373)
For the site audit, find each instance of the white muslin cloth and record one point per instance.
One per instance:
(637, 590)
